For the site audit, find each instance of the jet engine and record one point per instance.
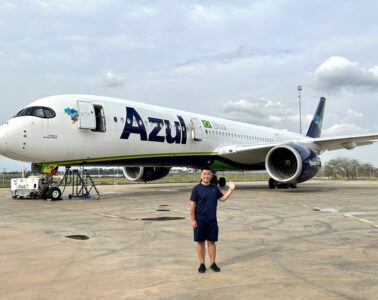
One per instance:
(292, 163)
(145, 174)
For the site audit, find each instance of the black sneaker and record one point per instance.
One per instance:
(215, 268)
(202, 268)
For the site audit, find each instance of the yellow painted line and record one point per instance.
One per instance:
(348, 215)
(109, 216)
(366, 221)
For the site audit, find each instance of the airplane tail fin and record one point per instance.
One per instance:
(315, 128)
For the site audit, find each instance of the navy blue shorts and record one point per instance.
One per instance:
(206, 231)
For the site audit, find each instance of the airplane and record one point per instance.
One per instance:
(147, 140)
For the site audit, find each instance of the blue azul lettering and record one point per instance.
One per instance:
(168, 133)
(134, 125)
(138, 128)
(153, 136)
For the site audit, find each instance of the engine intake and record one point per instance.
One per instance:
(144, 174)
(292, 163)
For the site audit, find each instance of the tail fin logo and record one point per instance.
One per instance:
(315, 128)
(318, 120)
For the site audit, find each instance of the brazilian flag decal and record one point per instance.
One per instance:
(206, 124)
(48, 168)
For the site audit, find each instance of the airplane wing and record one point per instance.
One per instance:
(345, 142)
(247, 153)
(257, 153)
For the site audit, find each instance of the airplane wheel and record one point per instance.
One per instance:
(222, 182)
(54, 193)
(293, 186)
(44, 192)
(272, 184)
(214, 180)
(33, 195)
(282, 186)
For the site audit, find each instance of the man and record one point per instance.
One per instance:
(203, 213)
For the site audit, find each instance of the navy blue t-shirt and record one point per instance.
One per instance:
(206, 199)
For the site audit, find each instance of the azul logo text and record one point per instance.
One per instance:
(135, 125)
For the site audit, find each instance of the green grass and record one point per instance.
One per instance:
(171, 178)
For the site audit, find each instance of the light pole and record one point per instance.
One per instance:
(4, 178)
(299, 88)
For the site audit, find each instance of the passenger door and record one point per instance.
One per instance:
(197, 133)
(87, 116)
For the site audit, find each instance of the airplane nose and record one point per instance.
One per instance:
(3, 141)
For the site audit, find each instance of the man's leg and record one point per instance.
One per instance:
(212, 251)
(201, 252)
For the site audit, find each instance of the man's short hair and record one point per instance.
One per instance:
(206, 168)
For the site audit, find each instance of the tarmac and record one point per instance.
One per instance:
(319, 241)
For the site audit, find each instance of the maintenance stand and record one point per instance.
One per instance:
(81, 183)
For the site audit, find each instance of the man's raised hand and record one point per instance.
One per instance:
(231, 185)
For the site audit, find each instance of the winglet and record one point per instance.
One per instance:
(315, 128)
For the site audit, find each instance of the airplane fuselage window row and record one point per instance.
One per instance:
(238, 135)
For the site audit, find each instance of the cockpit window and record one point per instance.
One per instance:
(49, 113)
(37, 111)
(26, 112)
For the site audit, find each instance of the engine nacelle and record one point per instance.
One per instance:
(145, 174)
(292, 163)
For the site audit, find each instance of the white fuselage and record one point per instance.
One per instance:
(154, 133)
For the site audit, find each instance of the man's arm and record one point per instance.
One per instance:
(226, 195)
(192, 209)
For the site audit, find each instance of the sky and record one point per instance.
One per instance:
(240, 60)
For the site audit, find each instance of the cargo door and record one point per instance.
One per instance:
(87, 116)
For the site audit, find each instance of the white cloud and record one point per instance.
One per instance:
(143, 11)
(66, 4)
(354, 114)
(234, 61)
(109, 79)
(211, 13)
(264, 112)
(342, 128)
(338, 72)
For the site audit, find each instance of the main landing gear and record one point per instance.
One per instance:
(221, 181)
(275, 184)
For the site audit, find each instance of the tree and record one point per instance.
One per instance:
(349, 169)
